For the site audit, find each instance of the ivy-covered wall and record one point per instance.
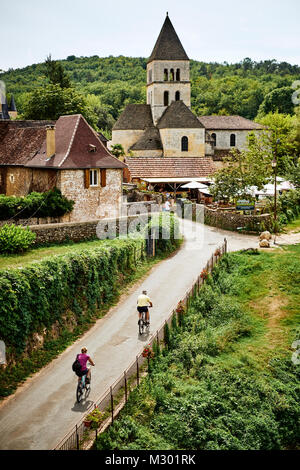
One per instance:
(33, 298)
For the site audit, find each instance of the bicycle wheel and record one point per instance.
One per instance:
(79, 392)
(141, 325)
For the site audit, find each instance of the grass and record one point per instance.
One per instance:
(42, 252)
(293, 226)
(228, 381)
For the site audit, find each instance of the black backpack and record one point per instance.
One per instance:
(76, 366)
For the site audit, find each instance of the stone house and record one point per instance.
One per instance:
(67, 154)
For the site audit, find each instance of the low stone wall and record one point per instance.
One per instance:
(36, 220)
(228, 220)
(80, 231)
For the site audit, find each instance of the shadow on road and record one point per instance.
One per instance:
(83, 406)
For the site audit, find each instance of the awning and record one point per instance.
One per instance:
(176, 180)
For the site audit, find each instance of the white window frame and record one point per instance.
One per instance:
(94, 177)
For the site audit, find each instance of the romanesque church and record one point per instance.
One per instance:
(166, 127)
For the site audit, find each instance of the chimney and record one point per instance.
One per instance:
(50, 141)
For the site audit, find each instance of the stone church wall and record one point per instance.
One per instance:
(171, 139)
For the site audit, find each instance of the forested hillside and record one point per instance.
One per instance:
(245, 88)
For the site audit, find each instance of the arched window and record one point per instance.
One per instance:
(177, 96)
(166, 98)
(232, 140)
(172, 75)
(150, 76)
(178, 75)
(166, 75)
(184, 144)
(214, 138)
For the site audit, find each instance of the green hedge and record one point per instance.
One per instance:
(49, 204)
(36, 296)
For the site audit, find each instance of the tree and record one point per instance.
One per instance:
(56, 73)
(52, 101)
(117, 150)
(284, 128)
(105, 120)
(278, 100)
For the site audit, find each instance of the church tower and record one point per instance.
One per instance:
(168, 72)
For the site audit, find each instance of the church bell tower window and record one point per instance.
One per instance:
(166, 98)
(178, 75)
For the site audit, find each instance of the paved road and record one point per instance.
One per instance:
(44, 409)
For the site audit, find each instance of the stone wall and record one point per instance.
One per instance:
(92, 202)
(234, 220)
(88, 230)
(126, 137)
(171, 139)
(19, 181)
(223, 138)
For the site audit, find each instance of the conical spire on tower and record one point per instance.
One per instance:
(168, 45)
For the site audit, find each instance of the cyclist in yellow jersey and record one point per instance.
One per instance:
(143, 302)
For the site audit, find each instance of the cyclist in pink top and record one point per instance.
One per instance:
(83, 358)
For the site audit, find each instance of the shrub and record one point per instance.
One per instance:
(15, 239)
(49, 204)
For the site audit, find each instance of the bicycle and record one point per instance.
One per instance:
(143, 325)
(81, 387)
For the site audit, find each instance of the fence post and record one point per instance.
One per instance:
(77, 438)
(112, 406)
(225, 243)
(125, 379)
(137, 371)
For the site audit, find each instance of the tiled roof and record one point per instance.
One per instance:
(19, 144)
(168, 45)
(220, 154)
(228, 123)
(134, 116)
(178, 116)
(150, 140)
(26, 146)
(171, 167)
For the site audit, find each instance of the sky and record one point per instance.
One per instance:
(210, 31)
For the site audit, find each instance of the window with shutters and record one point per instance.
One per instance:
(94, 178)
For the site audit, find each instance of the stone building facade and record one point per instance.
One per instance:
(67, 154)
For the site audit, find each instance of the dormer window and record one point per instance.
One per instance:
(92, 148)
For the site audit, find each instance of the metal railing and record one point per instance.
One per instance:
(113, 400)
